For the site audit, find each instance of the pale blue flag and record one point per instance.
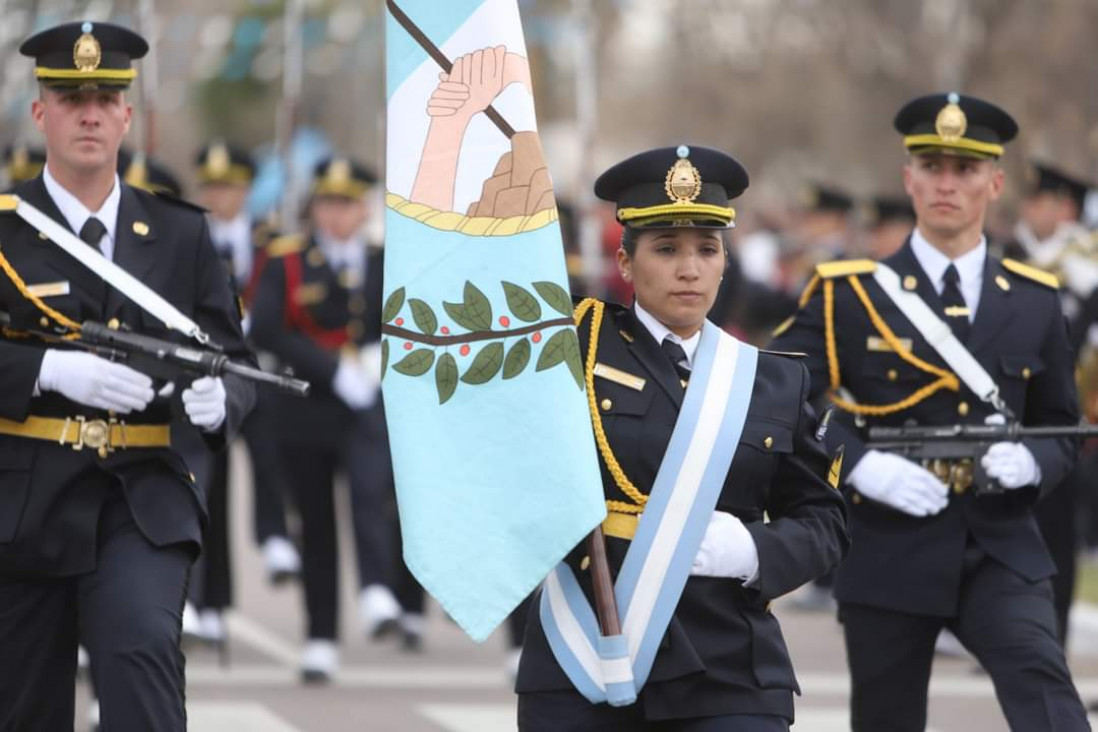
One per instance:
(496, 472)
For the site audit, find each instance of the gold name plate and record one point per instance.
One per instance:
(619, 377)
(880, 345)
(49, 289)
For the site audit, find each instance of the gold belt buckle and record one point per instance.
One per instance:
(96, 434)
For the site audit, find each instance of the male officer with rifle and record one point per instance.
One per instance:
(99, 518)
(942, 333)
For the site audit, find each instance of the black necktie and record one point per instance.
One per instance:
(956, 311)
(678, 358)
(92, 232)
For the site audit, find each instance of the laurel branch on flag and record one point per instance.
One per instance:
(506, 349)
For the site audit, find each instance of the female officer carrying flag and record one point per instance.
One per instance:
(716, 483)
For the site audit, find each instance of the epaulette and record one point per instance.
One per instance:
(1032, 273)
(789, 354)
(845, 268)
(284, 245)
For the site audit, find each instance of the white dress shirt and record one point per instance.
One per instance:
(349, 256)
(970, 268)
(77, 214)
(234, 237)
(660, 331)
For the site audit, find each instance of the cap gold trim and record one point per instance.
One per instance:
(727, 214)
(985, 148)
(43, 72)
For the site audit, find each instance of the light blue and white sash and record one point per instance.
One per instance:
(657, 564)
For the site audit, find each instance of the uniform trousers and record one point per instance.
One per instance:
(127, 613)
(1005, 621)
(373, 501)
(1056, 516)
(312, 470)
(269, 488)
(569, 711)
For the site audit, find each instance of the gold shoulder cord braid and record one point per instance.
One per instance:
(20, 285)
(946, 380)
(620, 479)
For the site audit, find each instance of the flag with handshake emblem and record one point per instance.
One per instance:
(496, 473)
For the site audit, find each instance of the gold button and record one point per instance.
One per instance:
(113, 324)
(42, 236)
(355, 329)
(892, 375)
(585, 563)
(44, 322)
(606, 405)
(959, 488)
(962, 409)
(768, 442)
(357, 304)
(1026, 373)
(856, 498)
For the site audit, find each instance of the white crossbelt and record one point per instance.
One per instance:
(941, 338)
(133, 288)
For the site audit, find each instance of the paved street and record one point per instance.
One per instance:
(455, 685)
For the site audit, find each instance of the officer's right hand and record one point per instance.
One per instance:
(351, 385)
(95, 382)
(899, 483)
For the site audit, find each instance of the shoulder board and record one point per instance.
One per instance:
(285, 245)
(789, 354)
(177, 201)
(1032, 273)
(845, 268)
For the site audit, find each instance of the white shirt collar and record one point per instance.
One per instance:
(77, 214)
(349, 253)
(660, 331)
(970, 267)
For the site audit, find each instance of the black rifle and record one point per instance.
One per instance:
(968, 442)
(167, 360)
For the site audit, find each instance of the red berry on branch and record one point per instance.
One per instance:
(400, 321)
(407, 346)
(465, 350)
(445, 330)
(504, 321)
(536, 338)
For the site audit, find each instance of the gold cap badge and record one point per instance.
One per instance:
(951, 122)
(217, 162)
(683, 183)
(87, 53)
(339, 172)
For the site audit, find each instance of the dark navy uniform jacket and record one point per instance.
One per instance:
(48, 518)
(723, 652)
(912, 564)
(304, 315)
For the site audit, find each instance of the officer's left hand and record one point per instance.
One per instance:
(1011, 464)
(727, 550)
(204, 402)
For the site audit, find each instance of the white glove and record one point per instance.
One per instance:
(1011, 464)
(204, 403)
(352, 387)
(899, 483)
(94, 382)
(727, 550)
